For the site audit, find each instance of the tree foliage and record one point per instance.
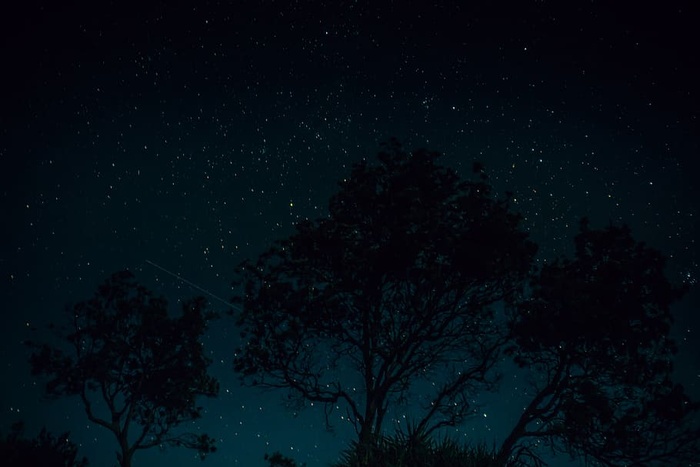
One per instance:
(277, 459)
(45, 450)
(396, 287)
(400, 285)
(137, 371)
(595, 332)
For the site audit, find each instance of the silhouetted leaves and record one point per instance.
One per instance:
(595, 330)
(417, 451)
(278, 459)
(395, 286)
(398, 285)
(146, 368)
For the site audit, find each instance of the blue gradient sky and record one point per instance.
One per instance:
(194, 136)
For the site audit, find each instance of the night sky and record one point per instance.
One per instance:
(194, 136)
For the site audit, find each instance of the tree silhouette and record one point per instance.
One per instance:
(45, 450)
(277, 459)
(394, 289)
(594, 331)
(137, 371)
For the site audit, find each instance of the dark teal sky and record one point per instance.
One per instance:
(193, 137)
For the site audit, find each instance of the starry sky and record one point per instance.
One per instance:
(191, 137)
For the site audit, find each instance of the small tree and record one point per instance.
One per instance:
(594, 332)
(394, 288)
(277, 459)
(137, 371)
(45, 450)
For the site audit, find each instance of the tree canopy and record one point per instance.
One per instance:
(396, 287)
(594, 330)
(137, 371)
(419, 283)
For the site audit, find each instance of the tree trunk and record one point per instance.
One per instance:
(531, 413)
(364, 445)
(127, 454)
(507, 447)
(126, 460)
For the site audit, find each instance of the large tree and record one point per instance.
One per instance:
(137, 371)
(393, 292)
(594, 332)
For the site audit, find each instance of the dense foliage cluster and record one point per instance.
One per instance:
(137, 371)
